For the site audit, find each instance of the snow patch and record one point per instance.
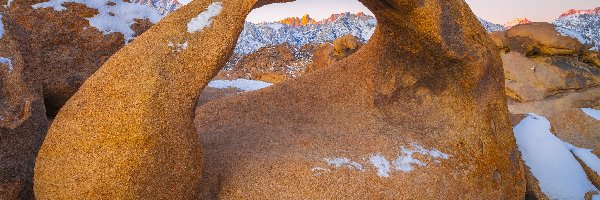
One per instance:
(7, 62)
(592, 113)
(178, 47)
(596, 197)
(114, 16)
(559, 174)
(184, 2)
(204, 19)
(275, 26)
(242, 84)
(1, 27)
(589, 159)
(406, 161)
(574, 34)
(382, 165)
(344, 162)
(8, 4)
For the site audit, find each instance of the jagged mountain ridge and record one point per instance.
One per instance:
(586, 22)
(163, 6)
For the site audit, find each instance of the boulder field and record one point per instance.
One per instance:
(417, 113)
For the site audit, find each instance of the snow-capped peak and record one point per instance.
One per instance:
(517, 21)
(595, 11)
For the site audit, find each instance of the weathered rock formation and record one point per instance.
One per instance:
(128, 133)
(418, 112)
(61, 47)
(337, 132)
(23, 122)
(541, 38)
(272, 64)
(328, 54)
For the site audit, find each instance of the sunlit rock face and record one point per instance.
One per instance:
(418, 112)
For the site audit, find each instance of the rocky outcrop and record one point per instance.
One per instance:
(372, 104)
(128, 133)
(542, 38)
(62, 48)
(533, 79)
(501, 40)
(23, 122)
(328, 54)
(272, 64)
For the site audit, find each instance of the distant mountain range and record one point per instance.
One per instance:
(299, 31)
(586, 22)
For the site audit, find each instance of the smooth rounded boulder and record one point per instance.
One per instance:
(419, 112)
(128, 133)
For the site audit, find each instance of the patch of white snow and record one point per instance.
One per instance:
(559, 174)
(8, 4)
(344, 162)
(7, 62)
(589, 159)
(242, 84)
(592, 113)
(1, 27)
(114, 16)
(382, 165)
(178, 47)
(574, 34)
(184, 2)
(204, 19)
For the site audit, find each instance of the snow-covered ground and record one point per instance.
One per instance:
(113, 16)
(242, 84)
(553, 161)
(592, 113)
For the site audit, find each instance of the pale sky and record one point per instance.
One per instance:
(497, 11)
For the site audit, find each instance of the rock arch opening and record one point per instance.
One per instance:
(282, 41)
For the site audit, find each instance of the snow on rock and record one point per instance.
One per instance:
(382, 165)
(185, 2)
(592, 113)
(204, 19)
(596, 197)
(344, 162)
(178, 47)
(406, 161)
(589, 159)
(1, 27)
(114, 16)
(7, 62)
(559, 174)
(242, 84)
(574, 34)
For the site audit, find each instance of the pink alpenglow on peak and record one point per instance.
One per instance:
(517, 21)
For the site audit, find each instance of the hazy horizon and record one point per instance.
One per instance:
(499, 12)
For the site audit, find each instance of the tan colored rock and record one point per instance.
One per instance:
(322, 58)
(597, 152)
(501, 40)
(541, 38)
(592, 57)
(61, 48)
(406, 86)
(327, 53)
(593, 176)
(23, 122)
(345, 46)
(533, 79)
(273, 64)
(128, 133)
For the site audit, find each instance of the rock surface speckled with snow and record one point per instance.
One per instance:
(23, 122)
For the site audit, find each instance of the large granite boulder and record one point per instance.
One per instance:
(418, 112)
(541, 38)
(23, 122)
(128, 133)
(533, 79)
(328, 54)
